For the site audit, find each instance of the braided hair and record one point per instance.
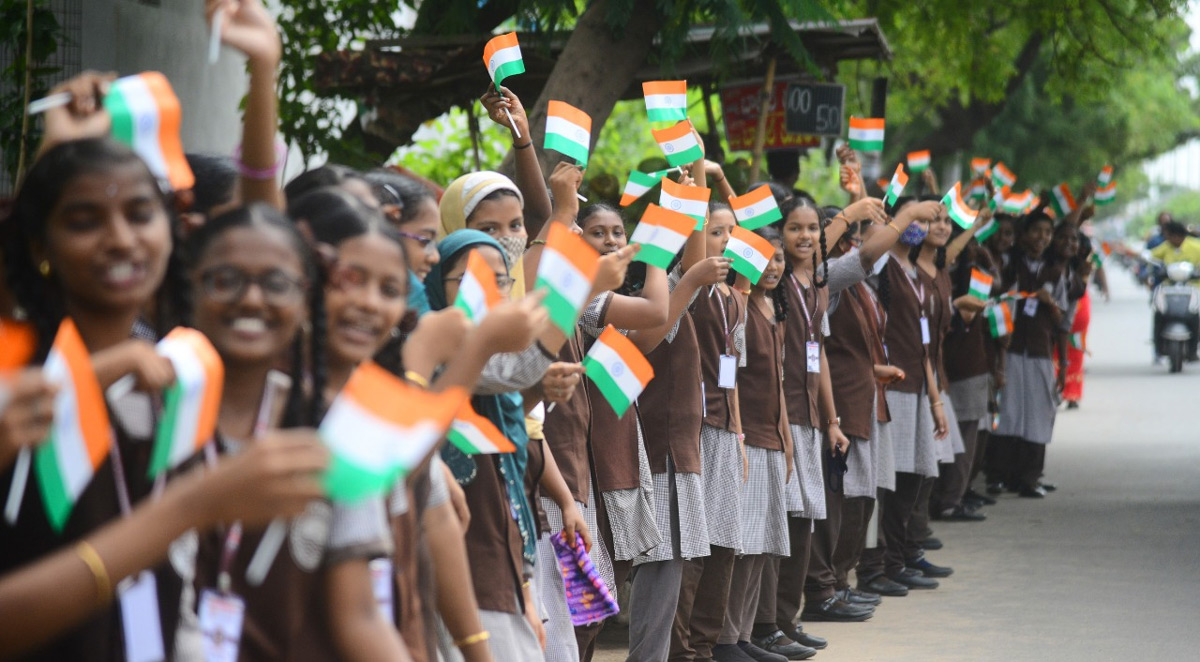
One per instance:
(299, 410)
(333, 217)
(41, 299)
(800, 202)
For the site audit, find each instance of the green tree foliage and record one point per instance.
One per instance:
(46, 35)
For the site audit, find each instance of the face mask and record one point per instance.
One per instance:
(514, 249)
(913, 235)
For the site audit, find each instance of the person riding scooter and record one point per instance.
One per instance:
(1178, 247)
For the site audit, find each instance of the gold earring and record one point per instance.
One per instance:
(44, 268)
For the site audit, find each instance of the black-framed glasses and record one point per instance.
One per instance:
(503, 283)
(426, 243)
(229, 284)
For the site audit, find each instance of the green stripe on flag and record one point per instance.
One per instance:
(654, 255)
(686, 156)
(745, 267)
(164, 434)
(123, 121)
(608, 387)
(568, 147)
(766, 218)
(345, 481)
(53, 486)
(986, 231)
(461, 442)
(666, 114)
(562, 313)
(509, 69)
(866, 145)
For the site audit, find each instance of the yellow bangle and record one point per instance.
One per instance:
(414, 377)
(473, 639)
(92, 560)
(892, 226)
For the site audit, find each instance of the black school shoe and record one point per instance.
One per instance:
(931, 544)
(881, 585)
(928, 569)
(855, 597)
(972, 495)
(961, 514)
(730, 653)
(835, 609)
(1038, 492)
(798, 635)
(779, 644)
(756, 653)
(913, 579)
(995, 488)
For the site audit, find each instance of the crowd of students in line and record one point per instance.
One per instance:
(837, 405)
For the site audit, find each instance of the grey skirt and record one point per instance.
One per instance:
(806, 490)
(1029, 401)
(721, 477)
(691, 540)
(631, 512)
(912, 433)
(764, 512)
(952, 443)
(970, 397)
(885, 456)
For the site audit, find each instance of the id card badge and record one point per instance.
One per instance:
(140, 618)
(924, 330)
(812, 352)
(1031, 306)
(221, 616)
(727, 375)
(381, 584)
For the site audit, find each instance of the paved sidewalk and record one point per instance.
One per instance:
(1106, 568)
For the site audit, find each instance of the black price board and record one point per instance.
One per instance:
(814, 108)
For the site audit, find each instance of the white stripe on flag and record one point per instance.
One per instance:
(568, 281)
(70, 450)
(680, 144)
(865, 135)
(474, 437)
(189, 373)
(569, 130)
(503, 57)
(145, 116)
(747, 252)
(656, 101)
(373, 444)
(475, 298)
(658, 235)
(615, 366)
(682, 205)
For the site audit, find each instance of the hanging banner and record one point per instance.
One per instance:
(740, 105)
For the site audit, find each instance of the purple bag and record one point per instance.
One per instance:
(588, 598)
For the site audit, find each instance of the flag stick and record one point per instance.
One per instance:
(214, 36)
(16, 492)
(52, 101)
(551, 407)
(264, 556)
(580, 196)
(512, 123)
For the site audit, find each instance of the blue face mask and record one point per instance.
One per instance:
(913, 235)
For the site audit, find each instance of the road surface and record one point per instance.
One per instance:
(1106, 568)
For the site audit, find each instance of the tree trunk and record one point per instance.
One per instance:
(595, 68)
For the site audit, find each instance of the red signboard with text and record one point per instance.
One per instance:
(740, 105)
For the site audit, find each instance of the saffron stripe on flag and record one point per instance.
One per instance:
(750, 253)
(689, 200)
(756, 208)
(678, 143)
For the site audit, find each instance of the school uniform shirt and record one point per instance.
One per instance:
(761, 384)
(566, 429)
(720, 323)
(100, 636)
(801, 387)
(849, 350)
(1033, 335)
(903, 333)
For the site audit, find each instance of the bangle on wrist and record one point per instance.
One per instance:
(937, 404)
(261, 174)
(481, 636)
(537, 242)
(90, 558)
(416, 378)
(525, 146)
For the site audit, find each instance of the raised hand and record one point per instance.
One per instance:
(152, 372)
(498, 102)
(868, 210)
(438, 337)
(558, 385)
(84, 116)
(511, 326)
(247, 27)
(25, 419)
(709, 271)
(611, 272)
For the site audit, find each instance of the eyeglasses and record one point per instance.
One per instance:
(426, 243)
(503, 283)
(229, 284)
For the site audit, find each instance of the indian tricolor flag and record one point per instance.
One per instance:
(959, 211)
(1002, 176)
(997, 201)
(190, 405)
(978, 190)
(866, 134)
(568, 131)
(661, 233)
(999, 319)
(617, 367)
(689, 200)
(979, 165)
(756, 208)
(502, 57)
(666, 100)
(566, 271)
(1106, 194)
(750, 253)
(1062, 200)
(146, 116)
(639, 184)
(1016, 203)
(80, 436)
(678, 143)
(378, 429)
(918, 161)
(895, 188)
(475, 435)
(1105, 176)
(981, 285)
(984, 233)
(477, 292)
(1079, 342)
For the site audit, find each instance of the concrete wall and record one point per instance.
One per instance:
(131, 36)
